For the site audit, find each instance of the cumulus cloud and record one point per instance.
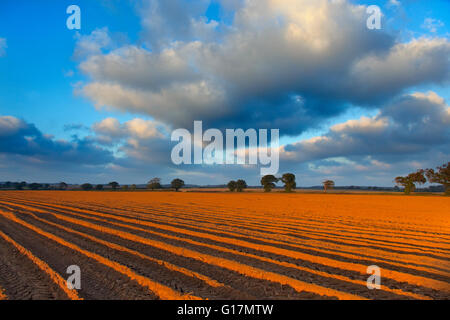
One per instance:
(94, 43)
(369, 150)
(420, 61)
(138, 128)
(168, 21)
(3, 47)
(139, 141)
(138, 68)
(281, 64)
(162, 85)
(412, 124)
(110, 150)
(291, 65)
(23, 139)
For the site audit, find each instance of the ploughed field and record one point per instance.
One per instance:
(167, 245)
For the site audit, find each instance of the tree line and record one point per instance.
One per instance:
(269, 182)
(153, 184)
(440, 175)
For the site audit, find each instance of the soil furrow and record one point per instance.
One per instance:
(235, 266)
(21, 278)
(109, 280)
(436, 280)
(264, 226)
(225, 246)
(177, 278)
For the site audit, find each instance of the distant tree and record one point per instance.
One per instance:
(21, 185)
(289, 181)
(440, 176)
(268, 182)
(114, 185)
(177, 184)
(241, 185)
(46, 186)
(406, 183)
(35, 186)
(409, 182)
(125, 187)
(87, 186)
(63, 186)
(154, 184)
(99, 187)
(133, 187)
(328, 185)
(232, 185)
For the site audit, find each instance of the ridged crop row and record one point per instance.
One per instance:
(307, 254)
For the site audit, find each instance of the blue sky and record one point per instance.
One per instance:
(53, 81)
(40, 53)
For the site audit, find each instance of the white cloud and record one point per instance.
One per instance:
(362, 125)
(168, 21)
(432, 25)
(110, 127)
(135, 128)
(273, 52)
(92, 44)
(181, 102)
(394, 3)
(138, 68)
(415, 123)
(19, 139)
(140, 141)
(406, 64)
(10, 125)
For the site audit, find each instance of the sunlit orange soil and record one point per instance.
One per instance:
(186, 245)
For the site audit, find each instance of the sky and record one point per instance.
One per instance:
(354, 105)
